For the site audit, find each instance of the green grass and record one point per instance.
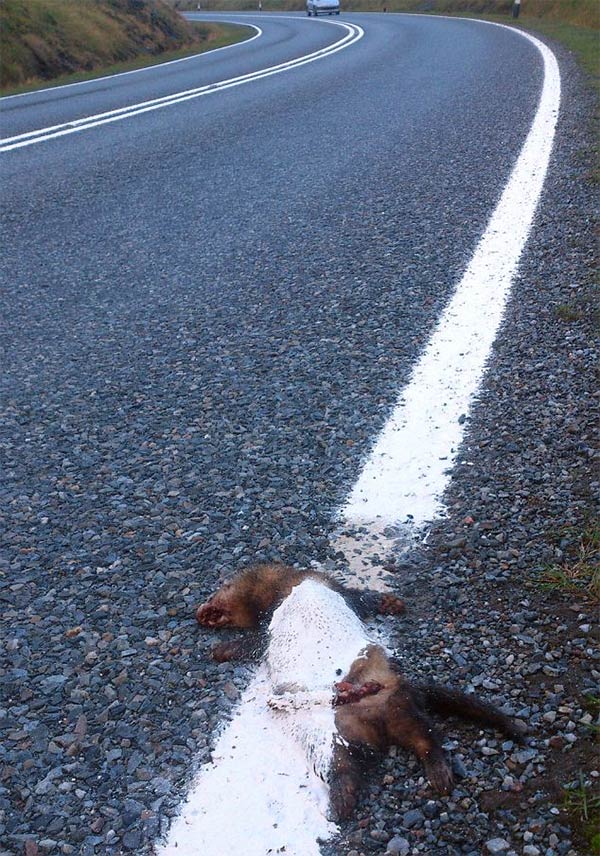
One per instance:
(584, 308)
(584, 42)
(580, 574)
(567, 312)
(591, 703)
(582, 804)
(215, 36)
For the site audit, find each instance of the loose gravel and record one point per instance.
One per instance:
(525, 490)
(108, 693)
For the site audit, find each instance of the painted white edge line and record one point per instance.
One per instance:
(353, 34)
(267, 792)
(157, 65)
(249, 750)
(408, 468)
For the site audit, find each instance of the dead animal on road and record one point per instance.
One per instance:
(377, 707)
(248, 599)
(321, 659)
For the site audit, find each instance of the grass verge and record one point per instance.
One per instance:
(582, 804)
(584, 42)
(212, 36)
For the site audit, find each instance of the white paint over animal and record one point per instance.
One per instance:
(270, 764)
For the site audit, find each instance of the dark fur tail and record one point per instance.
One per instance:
(448, 702)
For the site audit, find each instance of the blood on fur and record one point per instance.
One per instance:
(381, 708)
(347, 692)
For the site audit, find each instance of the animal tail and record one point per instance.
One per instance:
(450, 702)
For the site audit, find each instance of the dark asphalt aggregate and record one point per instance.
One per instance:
(206, 315)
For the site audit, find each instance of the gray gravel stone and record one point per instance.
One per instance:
(497, 845)
(398, 846)
(413, 818)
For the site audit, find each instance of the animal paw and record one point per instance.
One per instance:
(343, 795)
(226, 651)
(517, 729)
(440, 776)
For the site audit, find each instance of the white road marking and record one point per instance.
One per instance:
(267, 793)
(403, 479)
(353, 34)
(258, 793)
(157, 65)
(408, 469)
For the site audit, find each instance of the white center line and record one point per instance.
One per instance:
(353, 34)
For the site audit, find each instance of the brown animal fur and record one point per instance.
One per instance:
(376, 707)
(248, 598)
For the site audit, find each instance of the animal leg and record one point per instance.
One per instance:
(367, 603)
(410, 728)
(249, 646)
(344, 781)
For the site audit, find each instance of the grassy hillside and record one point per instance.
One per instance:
(43, 39)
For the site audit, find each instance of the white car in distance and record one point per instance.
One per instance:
(322, 7)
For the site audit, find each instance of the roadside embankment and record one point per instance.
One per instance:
(43, 40)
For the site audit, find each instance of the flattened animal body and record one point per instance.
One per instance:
(314, 639)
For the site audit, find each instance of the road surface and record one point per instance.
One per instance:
(207, 312)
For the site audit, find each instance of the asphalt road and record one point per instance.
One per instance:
(206, 314)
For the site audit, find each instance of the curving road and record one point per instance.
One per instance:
(207, 312)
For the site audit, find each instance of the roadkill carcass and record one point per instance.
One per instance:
(338, 693)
